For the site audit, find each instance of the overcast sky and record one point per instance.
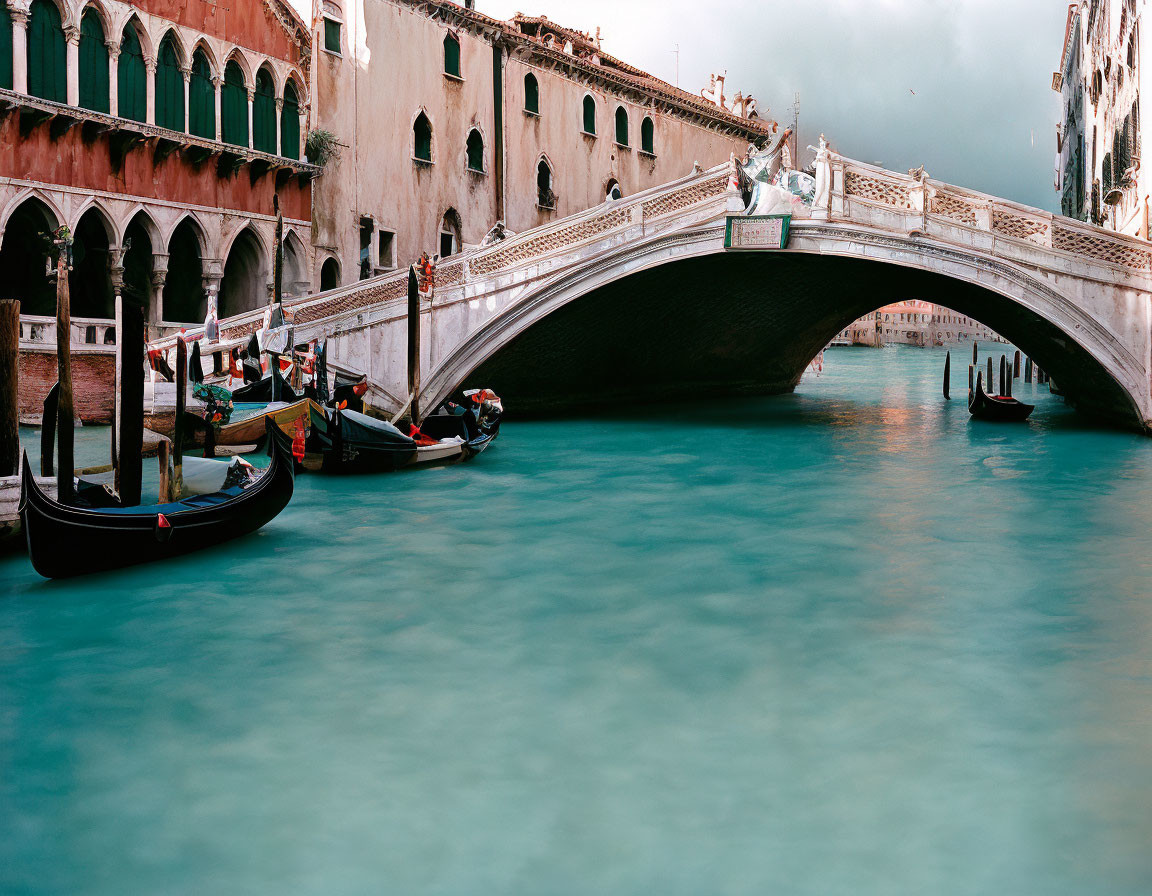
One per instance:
(983, 114)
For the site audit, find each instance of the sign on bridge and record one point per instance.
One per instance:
(757, 232)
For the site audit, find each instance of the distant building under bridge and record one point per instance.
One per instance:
(914, 323)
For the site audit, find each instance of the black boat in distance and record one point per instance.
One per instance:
(68, 541)
(996, 408)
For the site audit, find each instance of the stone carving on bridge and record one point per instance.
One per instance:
(822, 199)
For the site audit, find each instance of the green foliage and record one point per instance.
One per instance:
(321, 147)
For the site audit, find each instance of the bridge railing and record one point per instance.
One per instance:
(697, 196)
(86, 333)
(902, 200)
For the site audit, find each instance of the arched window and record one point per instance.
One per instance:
(290, 123)
(621, 126)
(589, 115)
(546, 198)
(451, 55)
(422, 138)
(330, 274)
(234, 106)
(531, 94)
(131, 89)
(475, 151)
(93, 63)
(169, 86)
(201, 98)
(264, 113)
(647, 136)
(5, 47)
(613, 191)
(47, 53)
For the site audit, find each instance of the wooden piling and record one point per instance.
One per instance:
(991, 384)
(414, 343)
(1016, 366)
(975, 359)
(178, 429)
(1003, 374)
(1027, 370)
(164, 460)
(48, 432)
(129, 470)
(947, 374)
(65, 413)
(9, 381)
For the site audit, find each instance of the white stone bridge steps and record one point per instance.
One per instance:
(1075, 297)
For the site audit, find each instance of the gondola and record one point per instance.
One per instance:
(996, 408)
(477, 421)
(345, 441)
(68, 541)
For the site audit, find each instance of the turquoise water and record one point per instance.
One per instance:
(845, 641)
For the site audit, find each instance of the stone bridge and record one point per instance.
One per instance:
(685, 291)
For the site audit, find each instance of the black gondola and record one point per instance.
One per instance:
(350, 442)
(996, 408)
(477, 421)
(69, 541)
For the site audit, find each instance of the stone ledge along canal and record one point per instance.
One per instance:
(842, 641)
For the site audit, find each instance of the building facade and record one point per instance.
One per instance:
(914, 322)
(158, 132)
(448, 121)
(1100, 80)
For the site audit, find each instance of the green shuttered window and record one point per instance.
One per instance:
(5, 47)
(647, 136)
(531, 94)
(264, 114)
(621, 126)
(47, 53)
(422, 137)
(451, 56)
(589, 115)
(290, 123)
(331, 36)
(234, 107)
(131, 89)
(169, 87)
(93, 64)
(201, 98)
(475, 151)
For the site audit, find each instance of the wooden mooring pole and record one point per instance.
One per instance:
(177, 483)
(9, 380)
(414, 343)
(130, 444)
(947, 374)
(65, 414)
(1016, 366)
(990, 381)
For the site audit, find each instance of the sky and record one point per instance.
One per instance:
(962, 87)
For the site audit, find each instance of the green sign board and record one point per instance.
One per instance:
(756, 232)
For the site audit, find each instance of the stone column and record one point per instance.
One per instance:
(213, 274)
(156, 300)
(113, 76)
(251, 99)
(279, 114)
(19, 49)
(187, 75)
(72, 35)
(216, 82)
(150, 89)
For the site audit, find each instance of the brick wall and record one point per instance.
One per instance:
(93, 384)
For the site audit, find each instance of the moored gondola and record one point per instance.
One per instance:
(67, 541)
(477, 421)
(996, 408)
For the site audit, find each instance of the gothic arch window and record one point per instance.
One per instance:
(201, 98)
(290, 122)
(169, 86)
(648, 136)
(589, 115)
(422, 138)
(264, 113)
(131, 89)
(93, 57)
(451, 55)
(546, 198)
(234, 106)
(621, 126)
(47, 53)
(531, 94)
(475, 151)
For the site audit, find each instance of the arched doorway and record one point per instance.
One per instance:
(451, 233)
(245, 283)
(24, 257)
(184, 287)
(90, 283)
(330, 274)
(295, 276)
(137, 288)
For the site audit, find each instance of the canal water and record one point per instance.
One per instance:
(843, 641)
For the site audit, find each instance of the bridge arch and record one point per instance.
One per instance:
(678, 316)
